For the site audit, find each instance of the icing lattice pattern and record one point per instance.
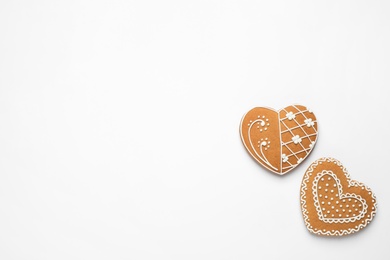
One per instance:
(298, 128)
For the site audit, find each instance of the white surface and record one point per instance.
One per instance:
(119, 125)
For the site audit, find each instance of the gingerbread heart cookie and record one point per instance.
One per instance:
(333, 204)
(279, 140)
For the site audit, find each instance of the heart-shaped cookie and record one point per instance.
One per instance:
(333, 204)
(279, 140)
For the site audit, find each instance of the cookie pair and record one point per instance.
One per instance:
(332, 204)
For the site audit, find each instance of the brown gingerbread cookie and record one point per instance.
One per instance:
(333, 204)
(279, 140)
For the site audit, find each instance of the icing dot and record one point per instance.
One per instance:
(337, 202)
(327, 184)
(334, 185)
(331, 191)
(331, 198)
(326, 197)
(329, 203)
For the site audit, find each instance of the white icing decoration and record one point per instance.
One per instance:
(262, 124)
(309, 122)
(262, 144)
(341, 196)
(284, 158)
(342, 232)
(290, 115)
(296, 139)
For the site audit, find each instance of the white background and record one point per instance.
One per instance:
(119, 125)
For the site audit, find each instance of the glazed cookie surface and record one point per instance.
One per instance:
(332, 204)
(279, 140)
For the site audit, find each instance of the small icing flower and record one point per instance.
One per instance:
(296, 139)
(300, 160)
(312, 144)
(290, 115)
(284, 158)
(309, 122)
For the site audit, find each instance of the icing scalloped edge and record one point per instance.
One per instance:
(350, 183)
